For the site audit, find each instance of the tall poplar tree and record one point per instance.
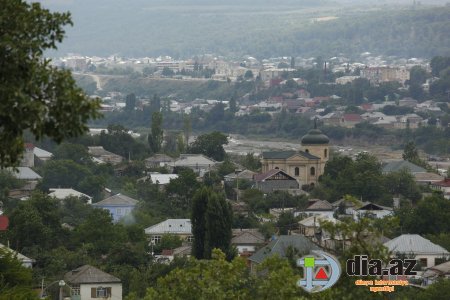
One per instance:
(211, 224)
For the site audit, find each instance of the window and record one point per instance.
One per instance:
(276, 168)
(312, 171)
(307, 150)
(156, 239)
(297, 171)
(423, 263)
(75, 290)
(325, 153)
(101, 292)
(119, 211)
(190, 238)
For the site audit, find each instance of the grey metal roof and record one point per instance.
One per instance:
(279, 246)
(25, 173)
(171, 226)
(320, 205)
(89, 274)
(20, 256)
(286, 154)
(41, 153)
(414, 243)
(117, 200)
(194, 160)
(395, 166)
(248, 238)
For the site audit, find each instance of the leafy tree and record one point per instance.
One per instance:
(211, 223)
(182, 189)
(210, 144)
(155, 138)
(168, 241)
(75, 152)
(411, 154)
(167, 72)
(248, 74)
(15, 280)
(36, 223)
(286, 222)
(35, 95)
(439, 63)
(130, 102)
(417, 75)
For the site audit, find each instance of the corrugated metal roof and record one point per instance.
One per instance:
(89, 274)
(279, 246)
(414, 243)
(320, 205)
(25, 173)
(41, 153)
(117, 200)
(172, 226)
(395, 166)
(64, 193)
(193, 160)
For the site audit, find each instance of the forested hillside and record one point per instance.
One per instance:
(262, 28)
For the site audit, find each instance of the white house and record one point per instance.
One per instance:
(64, 193)
(179, 227)
(90, 283)
(199, 163)
(369, 209)
(26, 262)
(415, 246)
(247, 241)
(319, 208)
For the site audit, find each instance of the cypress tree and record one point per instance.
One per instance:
(211, 224)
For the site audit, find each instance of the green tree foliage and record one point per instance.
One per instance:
(430, 216)
(36, 96)
(438, 64)
(403, 183)
(15, 280)
(411, 154)
(210, 144)
(417, 75)
(211, 223)
(75, 152)
(130, 101)
(155, 138)
(182, 189)
(362, 178)
(35, 223)
(68, 174)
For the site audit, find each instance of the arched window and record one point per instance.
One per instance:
(312, 171)
(297, 171)
(325, 153)
(307, 150)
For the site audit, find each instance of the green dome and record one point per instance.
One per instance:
(315, 137)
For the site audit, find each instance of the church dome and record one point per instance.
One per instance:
(315, 137)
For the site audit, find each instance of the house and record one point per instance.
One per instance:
(372, 210)
(275, 180)
(346, 207)
(311, 228)
(89, 283)
(242, 175)
(158, 178)
(247, 241)
(158, 160)
(305, 165)
(118, 205)
(350, 120)
(105, 156)
(346, 79)
(319, 207)
(280, 246)
(427, 178)
(26, 262)
(398, 165)
(28, 156)
(42, 155)
(417, 247)
(62, 194)
(331, 119)
(29, 180)
(442, 186)
(179, 227)
(435, 273)
(199, 163)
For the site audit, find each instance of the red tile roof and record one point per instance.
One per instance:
(443, 183)
(352, 118)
